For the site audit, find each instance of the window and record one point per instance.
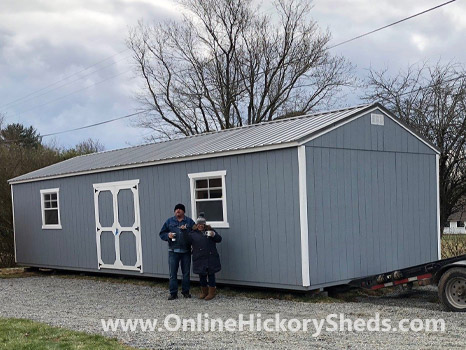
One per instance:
(208, 195)
(50, 208)
(460, 224)
(447, 224)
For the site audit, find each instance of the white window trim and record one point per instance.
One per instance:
(207, 175)
(42, 208)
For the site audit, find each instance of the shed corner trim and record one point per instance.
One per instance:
(437, 180)
(303, 216)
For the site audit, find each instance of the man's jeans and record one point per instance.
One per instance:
(174, 261)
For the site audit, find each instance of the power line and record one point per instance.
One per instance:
(263, 72)
(141, 112)
(96, 124)
(392, 24)
(66, 77)
(80, 128)
(76, 91)
(25, 99)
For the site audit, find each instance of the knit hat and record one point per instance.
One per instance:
(180, 206)
(201, 219)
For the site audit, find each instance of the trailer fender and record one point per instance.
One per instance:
(438, 275)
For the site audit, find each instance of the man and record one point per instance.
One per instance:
(175, 230)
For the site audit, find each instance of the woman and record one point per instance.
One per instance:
(206, 261)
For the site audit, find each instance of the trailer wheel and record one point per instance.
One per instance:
(452, 289)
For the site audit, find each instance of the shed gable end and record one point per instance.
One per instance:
(373, 133)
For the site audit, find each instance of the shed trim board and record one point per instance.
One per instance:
(14, 225)
(437, 170)
(303, 216)
(294, 143)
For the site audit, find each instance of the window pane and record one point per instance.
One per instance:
(201, 183)
(47, 204)
(213, 210)
(460, 224)
(217, 182)
(215, 193)
(202, 194)
(51, 217)
(54, 196)
(53, 204)
(47, 197)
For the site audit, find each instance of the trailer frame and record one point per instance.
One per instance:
(434, 272)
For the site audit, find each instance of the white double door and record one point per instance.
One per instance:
(118, 228)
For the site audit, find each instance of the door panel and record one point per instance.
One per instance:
(106, 209)
(118, 229)
(107, 243)
(128, 250)
(126, 208)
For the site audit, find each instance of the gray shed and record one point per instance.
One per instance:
(302, 203)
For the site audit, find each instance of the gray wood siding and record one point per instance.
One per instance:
(360, 134)
(371, 201)
(261, 246)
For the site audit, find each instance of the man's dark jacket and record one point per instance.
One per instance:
(179, 245)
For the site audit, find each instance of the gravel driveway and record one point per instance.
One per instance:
(80, 304)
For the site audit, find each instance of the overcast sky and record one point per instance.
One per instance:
(43, 42)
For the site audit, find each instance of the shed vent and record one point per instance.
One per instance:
(377, 119)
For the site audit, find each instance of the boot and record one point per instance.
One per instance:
(211, 294)
(204, 292)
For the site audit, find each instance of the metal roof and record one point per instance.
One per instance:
(274, 134)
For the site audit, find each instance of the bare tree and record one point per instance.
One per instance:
(225, 64)
(432, 100)
(84, 147)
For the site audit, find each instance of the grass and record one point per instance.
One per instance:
(30, 335)
(17, 272)
(453, 245)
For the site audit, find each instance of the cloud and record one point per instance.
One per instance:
(45, 42)
(42, 42)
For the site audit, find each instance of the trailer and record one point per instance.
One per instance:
(448, 274)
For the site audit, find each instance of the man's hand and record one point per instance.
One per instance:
(171, 235)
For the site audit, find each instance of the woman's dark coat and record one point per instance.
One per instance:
(205, 256)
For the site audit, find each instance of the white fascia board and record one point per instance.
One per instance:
(165, 161)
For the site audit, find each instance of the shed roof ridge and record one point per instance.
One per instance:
(235, 128)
